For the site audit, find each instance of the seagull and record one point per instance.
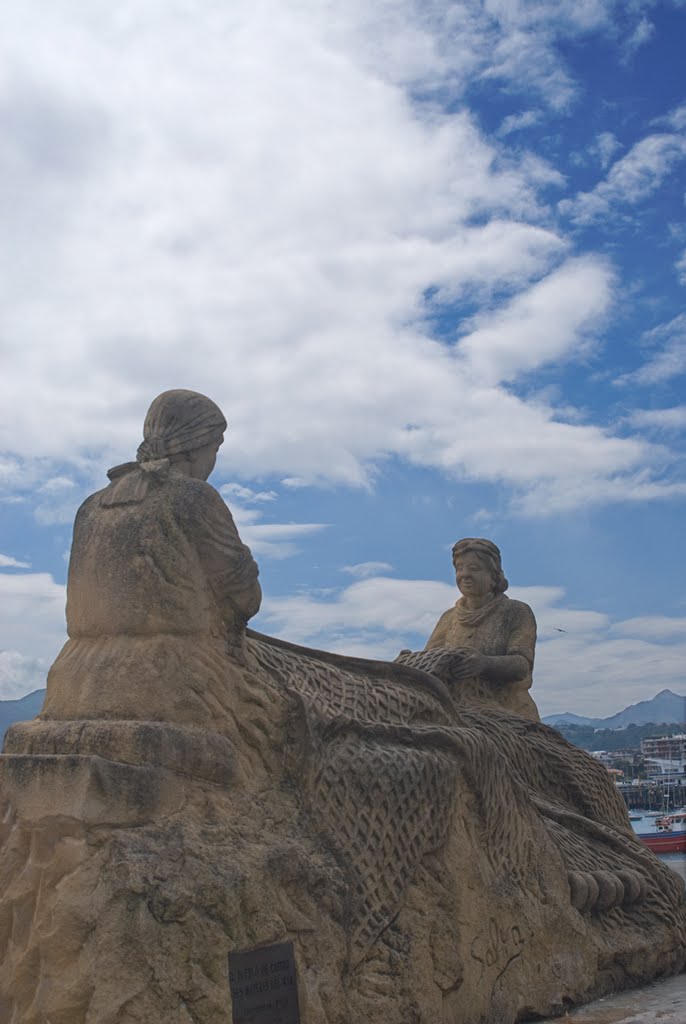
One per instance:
(559, 630)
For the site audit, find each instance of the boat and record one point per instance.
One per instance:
(669, 836)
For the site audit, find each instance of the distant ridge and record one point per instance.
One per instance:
(665, 707)
(20, 710)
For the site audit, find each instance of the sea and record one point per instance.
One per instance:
(675, 861)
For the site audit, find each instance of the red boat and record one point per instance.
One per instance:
(670, 836)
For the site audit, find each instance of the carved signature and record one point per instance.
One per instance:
(497, 947)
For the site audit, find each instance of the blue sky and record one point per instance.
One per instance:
(430, 259)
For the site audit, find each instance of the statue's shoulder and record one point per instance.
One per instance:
(194, 498)
(448, 615)
(90, 505)
(518, 611)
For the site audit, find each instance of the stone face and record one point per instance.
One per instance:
(191, 794)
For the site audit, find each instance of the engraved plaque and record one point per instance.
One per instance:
(263, 986)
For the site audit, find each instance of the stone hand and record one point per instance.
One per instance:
(467, 664)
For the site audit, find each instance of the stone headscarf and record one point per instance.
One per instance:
(177, 422)
(490, 555)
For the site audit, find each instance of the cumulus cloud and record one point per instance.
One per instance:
(606, 145)
(681, 268)
(668, 356)
(32, 630)
(275, 205)
(554, 496)
(57, 501)
(670, 419)
(363, 569)
(246, 494)
(653, 627)
(643, 32)
(8, 562)
(266, 540)
(20, 674)
(635, 176)
(372, 618)
(518, 122)
(542, 325)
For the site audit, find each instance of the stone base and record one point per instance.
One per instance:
(124, 888)
(185, 750)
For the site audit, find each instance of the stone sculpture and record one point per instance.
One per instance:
(193, 788)
(160, 586)
(484, 646)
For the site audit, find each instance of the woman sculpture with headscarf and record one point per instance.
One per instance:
(483, 647)
(160, 586)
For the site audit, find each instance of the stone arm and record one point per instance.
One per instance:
(514, 664)
(496, 668)
(230, 569)
(517, 661)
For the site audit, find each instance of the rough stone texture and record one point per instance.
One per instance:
(433, 861)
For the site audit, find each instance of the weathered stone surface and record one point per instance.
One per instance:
(431, 860)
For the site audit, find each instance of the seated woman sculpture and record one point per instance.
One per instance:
(483, 647)
(160, 586)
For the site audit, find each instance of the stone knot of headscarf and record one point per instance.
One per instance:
(177, 422)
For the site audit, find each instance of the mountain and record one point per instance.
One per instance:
(567, 718)
(664, 707)
(20, 710)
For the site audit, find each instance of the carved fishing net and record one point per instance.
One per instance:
(382, 777)
(388, 758)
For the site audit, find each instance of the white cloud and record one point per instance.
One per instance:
(235, 490)
(518, 122)
(581, 490)
(606, 145)
(544, 324)
(668, 361)
(268, 204)
(8, 562)
(653, 627)
(372, 612)
(681, 268)
(58, 499)
(643, 32)
(675, 119)
(32, 630)
(270, 540)
(363, 569)
(21, 674)
(673, 418)
(634, 177)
